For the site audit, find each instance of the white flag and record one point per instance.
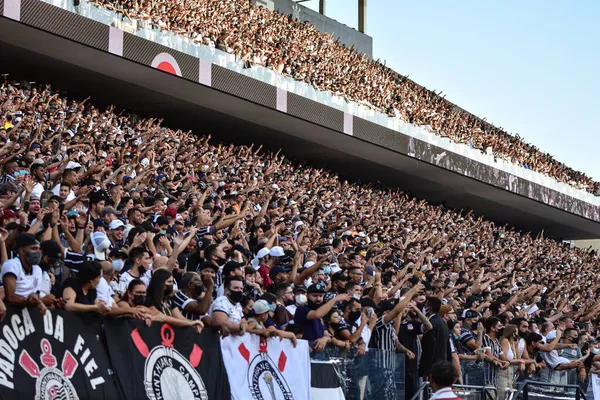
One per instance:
(266, 369)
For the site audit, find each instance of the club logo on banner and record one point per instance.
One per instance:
(51, 383)
(161, 361)
(167, 371)
(274, 369)
(64, 365)
(264, 376)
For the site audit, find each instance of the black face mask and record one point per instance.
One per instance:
(236, 297)
(474, 326)
(198, 288)
(139, 299)
(354, 316)
(335, 326)
(168, 290)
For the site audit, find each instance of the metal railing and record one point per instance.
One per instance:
(466, 392)
(525, 392)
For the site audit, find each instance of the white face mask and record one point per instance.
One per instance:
(301, 299)
(118, 265)
(596, 351)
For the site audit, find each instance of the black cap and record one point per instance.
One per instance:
(51, 249)
(278, 270)
(340, 276)
(148, 227)
(368, 302)
(99, 223)
(386, 305)
(229, 267)
(25, 239)
(316, 289)
(208, 264)
(471, 314)
(162, 221)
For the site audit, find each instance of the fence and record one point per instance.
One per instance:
(544, 384)
(378, 375)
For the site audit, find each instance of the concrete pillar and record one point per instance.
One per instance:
(322, 6)
(362, 16)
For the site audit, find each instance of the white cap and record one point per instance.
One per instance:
(116, 224)
(277, 251)
(261, 253)
(145, 162)
(101, 243)
(297, 224)
(261, 307)
(362, 234)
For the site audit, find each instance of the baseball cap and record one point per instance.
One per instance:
(471, 314)
(277, 251)
(99, 223)
(339, 276)
(25, 239)
(277, 270)
(170, 212)
(299, 288)
(315, 289)
(100, 242)
(207, 265)
(51, 249)
(260, 307)
(229, 267)
(116, 224)
(109, 210)
(368, 302)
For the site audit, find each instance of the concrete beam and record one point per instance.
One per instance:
(322, 6)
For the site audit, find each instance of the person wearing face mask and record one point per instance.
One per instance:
(300, 299)
(192, 300)
(226, 311)
(491, 343)
(52, 275)
(135, 296)
(338, 285)
(159, 301)
(21, 276)
(309, 316)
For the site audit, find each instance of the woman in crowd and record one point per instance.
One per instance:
(80, 292)
(160, 302)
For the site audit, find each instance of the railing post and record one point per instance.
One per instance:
(526, 391)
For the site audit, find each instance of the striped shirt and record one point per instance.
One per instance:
(384, 337)
(181, 300)
(490, 372)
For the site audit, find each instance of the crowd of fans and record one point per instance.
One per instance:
(296, 49)
(106, 213)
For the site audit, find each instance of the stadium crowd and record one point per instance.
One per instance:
(258, 36)
(108, 213)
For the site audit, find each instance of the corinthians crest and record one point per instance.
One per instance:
(167, 373)
(265, 378)
(51, 383)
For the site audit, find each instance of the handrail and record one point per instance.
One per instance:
(424, 388)
(485, 390)
(524, 389)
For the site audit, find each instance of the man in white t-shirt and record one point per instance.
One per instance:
(226, 311)
(21, 276)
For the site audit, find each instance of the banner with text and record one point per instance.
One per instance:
(55, 356)
(264, 369)
(165, 362)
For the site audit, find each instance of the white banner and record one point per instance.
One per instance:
(595, 387)
(272, 369)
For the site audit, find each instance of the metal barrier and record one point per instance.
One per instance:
(466, 392)
(528, 391)
(378, 375)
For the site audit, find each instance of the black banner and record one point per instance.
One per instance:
(163, 362)
(55, 356)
